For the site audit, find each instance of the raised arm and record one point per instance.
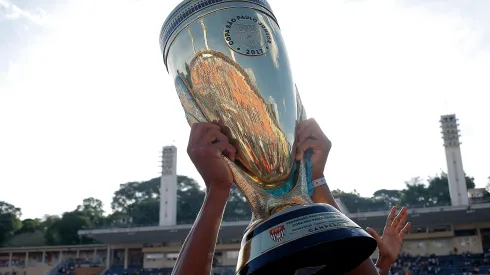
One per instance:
(389, 243)
(309, 136)
(322, 194)
(207, 145)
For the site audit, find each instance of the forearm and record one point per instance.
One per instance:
(383, 266)
(197, 253)
(322, 194)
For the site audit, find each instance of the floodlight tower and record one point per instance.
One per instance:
(456, 177)
(168, 187)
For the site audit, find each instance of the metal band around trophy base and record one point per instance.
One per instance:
(295, 230)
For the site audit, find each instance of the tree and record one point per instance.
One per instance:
(134, 192)
(29, 226)
(355, 203)
(438, 189)
(93, 209)
(9, 208)
(140, 201)
(237, 207)
(65, 230)
(189, 199)
(117, 218)
(145, 212)
(390, 197)
(415, 194)
(470, 181)
(434, 193)
(9, 220)
(49, 224)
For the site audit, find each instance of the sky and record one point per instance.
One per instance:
(86, 103)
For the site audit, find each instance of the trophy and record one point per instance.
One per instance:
(229, 64)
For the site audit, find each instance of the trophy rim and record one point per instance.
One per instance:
(187, 9)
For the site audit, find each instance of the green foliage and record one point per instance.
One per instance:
(434, 193)
(135, 192)
(9, 208)
(9, 221)
(93, 209)
(355, 203)
(416, 194)
(50, 230)
(139, 203)
(116, 217)
(69, 224)
(145, 212)
(189, 199)
(390, 197)
(29, 226)
(237, 207)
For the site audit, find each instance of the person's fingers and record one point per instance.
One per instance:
(224, 148)
(391, 216)
(405, 230)
(226, 130)
(312, 131)
(217, 149)
(398, 217)
(299, 129)
(213, 136)
(403, 219)
(305, 145)
(375, 235)
(199, 129)
(305, 123)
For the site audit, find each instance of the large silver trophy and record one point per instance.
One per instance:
(229, 64)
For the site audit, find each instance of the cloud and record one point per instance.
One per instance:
(9, 11)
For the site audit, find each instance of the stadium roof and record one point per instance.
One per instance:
(234, 230)
(157, 234)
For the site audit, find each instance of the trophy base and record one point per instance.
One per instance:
(309, 239)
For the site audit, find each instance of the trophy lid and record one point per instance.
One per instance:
(188, 8)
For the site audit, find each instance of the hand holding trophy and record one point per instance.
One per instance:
(230, 65)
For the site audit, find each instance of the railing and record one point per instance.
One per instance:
(419, 206)
(134, 225)
(479, 200)
(118, 225)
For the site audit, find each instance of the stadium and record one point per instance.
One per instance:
(458, 237)
(444, 239)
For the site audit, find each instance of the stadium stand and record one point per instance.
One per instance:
(79, 266)
(467, 263)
